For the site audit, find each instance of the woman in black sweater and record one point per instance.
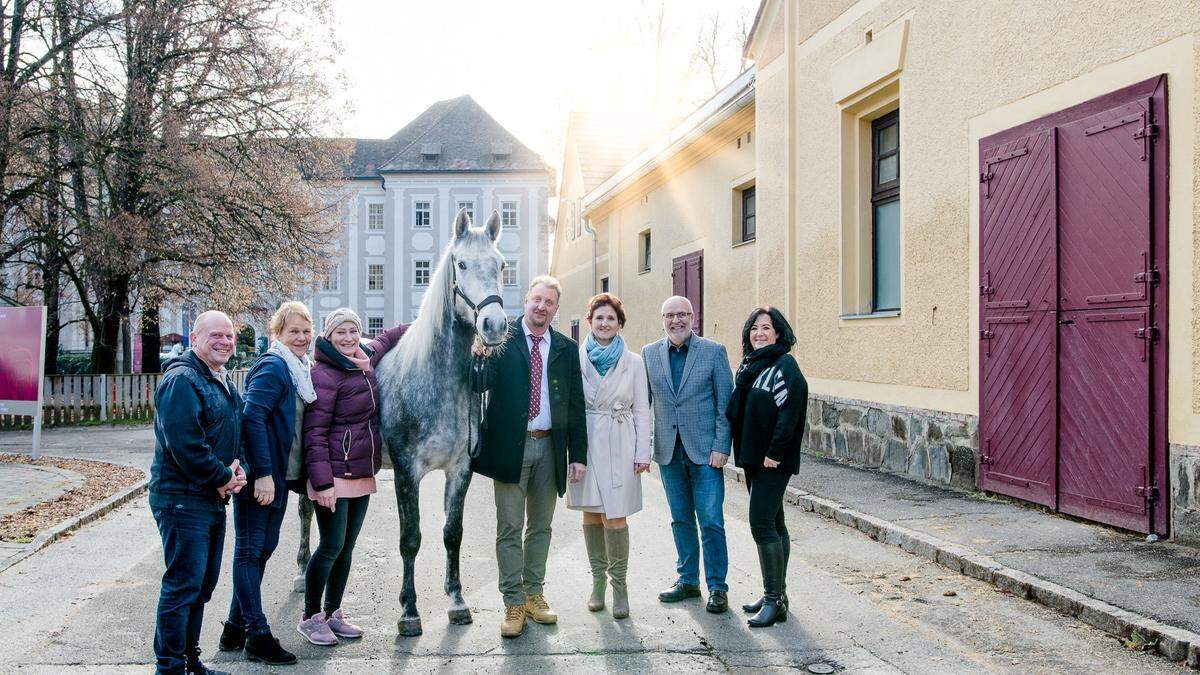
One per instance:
(767, 413)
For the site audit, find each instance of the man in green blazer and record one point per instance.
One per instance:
(534, 439)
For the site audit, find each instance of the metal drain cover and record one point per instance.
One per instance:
(820, 668)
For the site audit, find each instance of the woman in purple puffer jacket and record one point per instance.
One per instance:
(343, 452)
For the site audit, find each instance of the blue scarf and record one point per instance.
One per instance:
(604, 358)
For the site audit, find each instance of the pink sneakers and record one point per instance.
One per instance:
(342, 628)
(317, 629)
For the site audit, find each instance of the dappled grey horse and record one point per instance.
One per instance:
(428, 414)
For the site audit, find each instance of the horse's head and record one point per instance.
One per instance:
(476, 266)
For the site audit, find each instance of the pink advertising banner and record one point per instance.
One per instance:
(22, 332)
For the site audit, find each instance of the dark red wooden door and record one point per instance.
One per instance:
(1072, 282)
(1017, 229)
(1017, 300)
(1104, 209)
(687, 280)
(1017, 429)
(1104, 416)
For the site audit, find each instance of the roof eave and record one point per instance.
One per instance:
(734, 97)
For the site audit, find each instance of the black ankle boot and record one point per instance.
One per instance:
(233, 638)
(196, 667)
(773, 610)
(266, 648)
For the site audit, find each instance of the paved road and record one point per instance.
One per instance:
(86, 605)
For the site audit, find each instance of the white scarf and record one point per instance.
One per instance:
(300, 369)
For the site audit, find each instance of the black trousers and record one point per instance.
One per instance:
(329, 567)
(767, 487)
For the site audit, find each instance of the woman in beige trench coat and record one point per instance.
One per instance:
(618, 424)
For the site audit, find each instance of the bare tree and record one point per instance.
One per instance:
(188, 176)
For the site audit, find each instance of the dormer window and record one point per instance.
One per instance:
(431, 150)
(501, 151)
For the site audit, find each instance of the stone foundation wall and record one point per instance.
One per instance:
(1184, 463)
(925, 445)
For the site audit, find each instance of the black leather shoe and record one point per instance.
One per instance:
(233, 638)
(196, 667)
(266, 649)
(718, 603)
(679, 592)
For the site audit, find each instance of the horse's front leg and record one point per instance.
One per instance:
(457, 482)
(304, 507)
(408, 506)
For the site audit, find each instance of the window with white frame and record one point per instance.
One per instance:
(330, 281)
(469, 206)
(374, 216)
(422, 215)
(374, 326)
(508, 214)
(374, 277)
(510, 274)
(421, 272)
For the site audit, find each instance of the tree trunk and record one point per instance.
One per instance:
(114, 303)
(51, 289)
(151, 339)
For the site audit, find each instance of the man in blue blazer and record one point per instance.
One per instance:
(690, 386)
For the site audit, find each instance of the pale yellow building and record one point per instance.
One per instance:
(1030, 357)
(596, 146)
(669, 220)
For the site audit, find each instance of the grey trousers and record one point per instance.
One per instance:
(526, 508)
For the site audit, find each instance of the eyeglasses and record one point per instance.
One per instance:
(676, 315)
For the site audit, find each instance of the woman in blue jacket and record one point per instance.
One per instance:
(278, 387)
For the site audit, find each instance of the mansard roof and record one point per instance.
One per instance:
(455, 135)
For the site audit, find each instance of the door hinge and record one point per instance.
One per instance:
(1147, 333)
(1150, 276)
(986, 335)
(985, 177)
(1147, 492)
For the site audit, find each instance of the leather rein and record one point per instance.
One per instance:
(478, 366)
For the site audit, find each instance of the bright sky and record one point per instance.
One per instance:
(528, 62)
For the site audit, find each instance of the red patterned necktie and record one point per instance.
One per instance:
(535, 377)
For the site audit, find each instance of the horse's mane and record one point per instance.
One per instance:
(434, 317)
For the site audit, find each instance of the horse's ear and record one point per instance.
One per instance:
(493, 226)
(461, 222)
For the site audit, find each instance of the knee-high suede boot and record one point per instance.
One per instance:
(593, 539)
(770, 559)
(617, 546)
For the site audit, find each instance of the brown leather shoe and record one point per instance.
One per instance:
(514, 621)
(539, 611)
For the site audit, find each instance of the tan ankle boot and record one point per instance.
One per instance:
(593, 538)
(539, 610)
(514, 621)
(616, 543)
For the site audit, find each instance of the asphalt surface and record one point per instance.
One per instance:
(86, 604)
(1157, 580)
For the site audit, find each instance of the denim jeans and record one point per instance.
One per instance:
(696, 492)
(256, 534)
(192, 542)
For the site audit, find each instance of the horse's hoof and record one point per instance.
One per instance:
(460, 617)
(409, 627)
(298, 584)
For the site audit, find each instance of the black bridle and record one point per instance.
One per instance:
(478, 367)
(458, 292)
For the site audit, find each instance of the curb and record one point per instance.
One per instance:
(69, 525)
(1174, 643)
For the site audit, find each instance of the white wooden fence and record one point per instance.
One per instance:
(79, 399)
